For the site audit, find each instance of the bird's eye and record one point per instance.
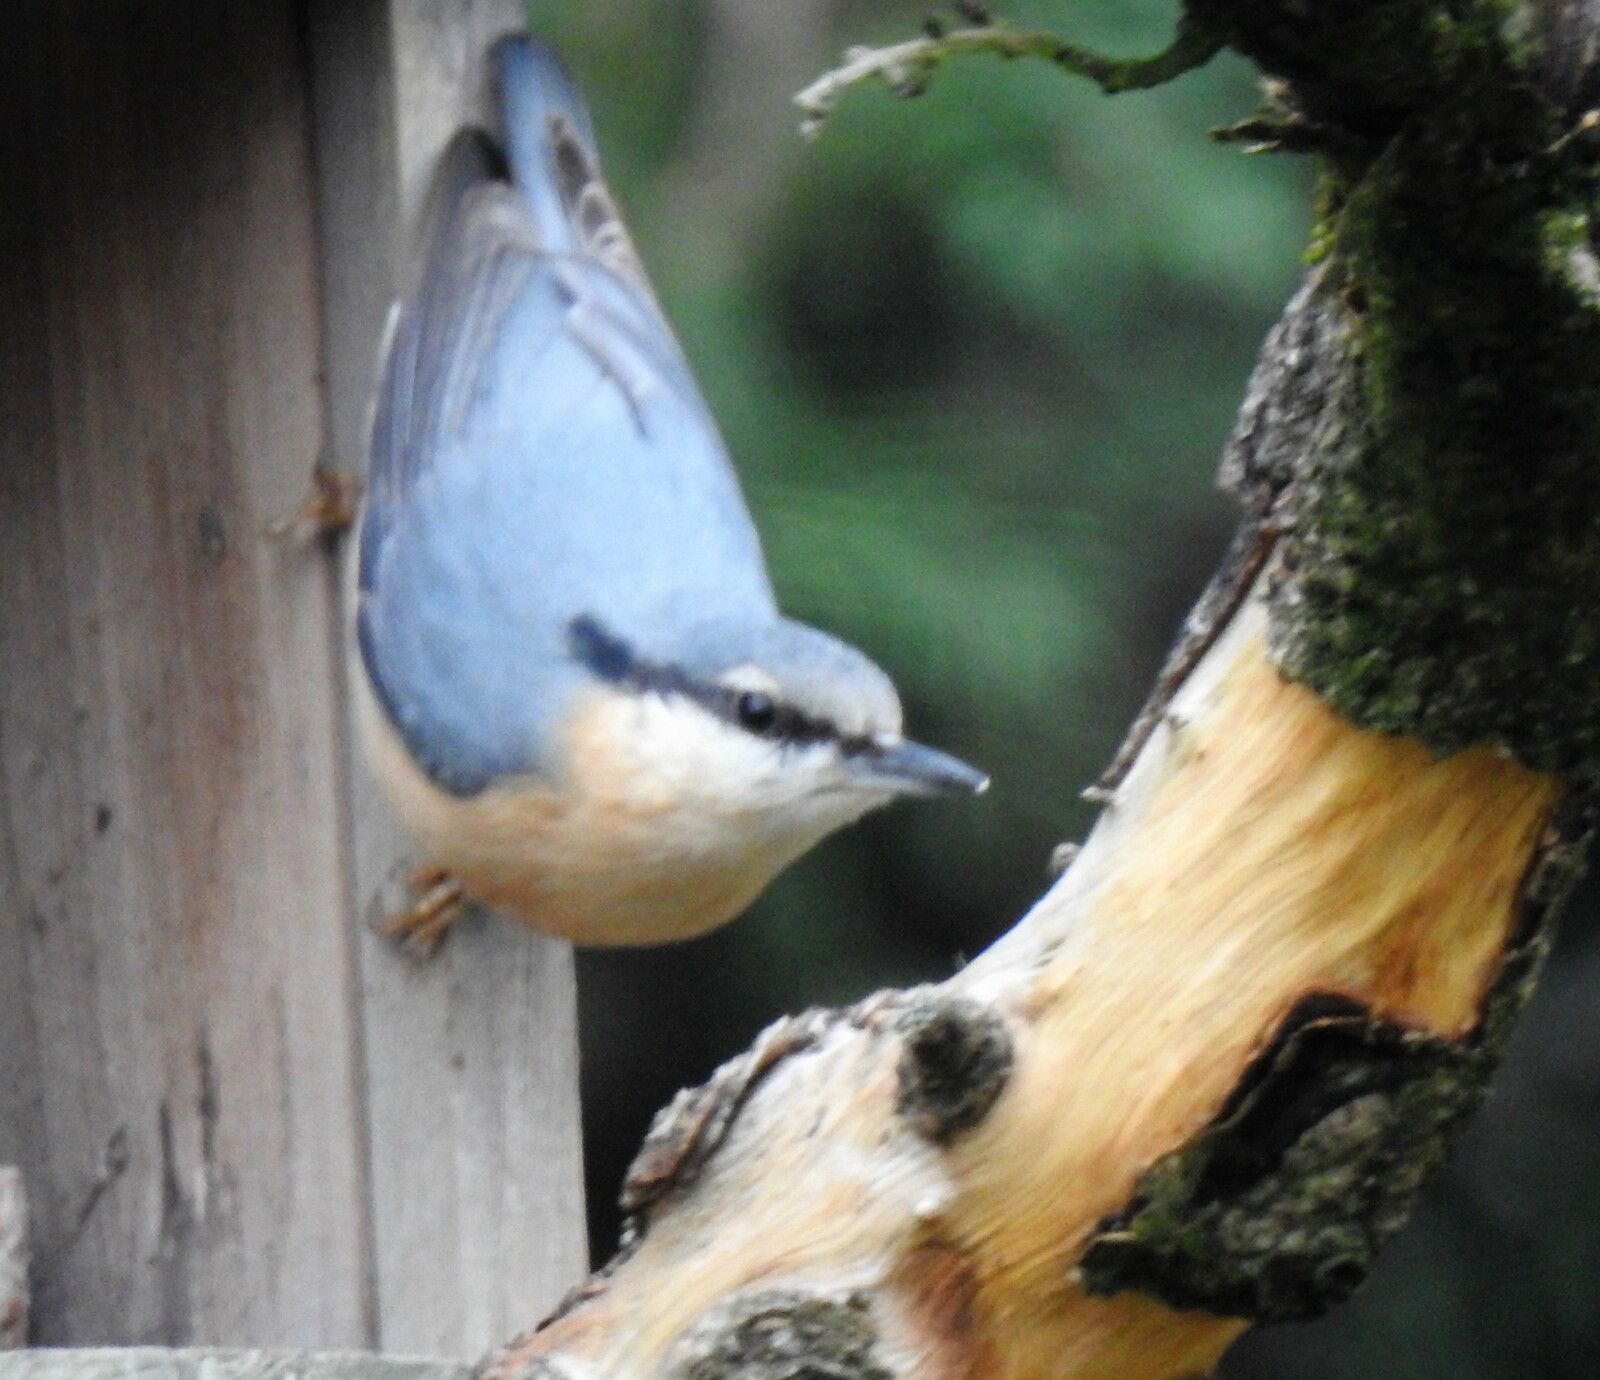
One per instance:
(757, 712)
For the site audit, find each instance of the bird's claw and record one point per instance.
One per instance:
(327, 511)
(422, 926)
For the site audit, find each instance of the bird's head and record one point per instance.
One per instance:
(767, 737)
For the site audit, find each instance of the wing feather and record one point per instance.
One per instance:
(540, 452)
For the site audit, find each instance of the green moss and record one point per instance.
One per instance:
(1278, 1210)
(1439, 571)
(1440, 575)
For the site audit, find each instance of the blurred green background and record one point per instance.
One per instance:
(976, 357)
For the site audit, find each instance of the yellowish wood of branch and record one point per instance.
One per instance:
(1260, 850)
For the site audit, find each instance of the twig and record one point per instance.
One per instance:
(907, 67)
(1266, 133)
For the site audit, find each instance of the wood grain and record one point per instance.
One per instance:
(471, 1058)
(13, 1260)
(184, 1093)
(154, 1363)
(241, 1118)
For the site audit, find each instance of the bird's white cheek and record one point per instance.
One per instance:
(720, 780)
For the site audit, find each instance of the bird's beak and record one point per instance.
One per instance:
(911, 769)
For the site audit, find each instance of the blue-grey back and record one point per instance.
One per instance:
(540, 452)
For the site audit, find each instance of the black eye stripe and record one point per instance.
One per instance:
(782, 723)
(609, 657)
(614, 661)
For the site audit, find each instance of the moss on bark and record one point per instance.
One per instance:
(1421, 439)
(1424, 426)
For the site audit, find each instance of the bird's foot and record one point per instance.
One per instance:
(328, 510)
(422, 926)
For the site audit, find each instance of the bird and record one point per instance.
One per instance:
(576, 689)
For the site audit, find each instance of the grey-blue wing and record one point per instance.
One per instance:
(540, 452)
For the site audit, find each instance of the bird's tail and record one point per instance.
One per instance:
(550, 146)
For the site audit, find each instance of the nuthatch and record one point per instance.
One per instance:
(580, 696)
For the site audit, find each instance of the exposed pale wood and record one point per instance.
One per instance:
(1260, 849)
(184, 1102)
(13, 1260)
(471, 1058)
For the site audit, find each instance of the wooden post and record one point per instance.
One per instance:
(157, 1363)
(13, 1260)
(471, 1058)
(239, 1119)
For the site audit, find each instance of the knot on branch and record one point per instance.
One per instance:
(955, 1063)
(783, 1334)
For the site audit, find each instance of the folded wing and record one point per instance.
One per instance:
(540, 452)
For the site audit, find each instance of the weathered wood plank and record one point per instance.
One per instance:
(186, 1106)
(13, 1260)
(153, 1363)
(471, 1059)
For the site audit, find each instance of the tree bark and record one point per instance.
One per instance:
(1201, 1083)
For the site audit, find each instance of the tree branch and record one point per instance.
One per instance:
(906, 68)
(1201, 1084)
